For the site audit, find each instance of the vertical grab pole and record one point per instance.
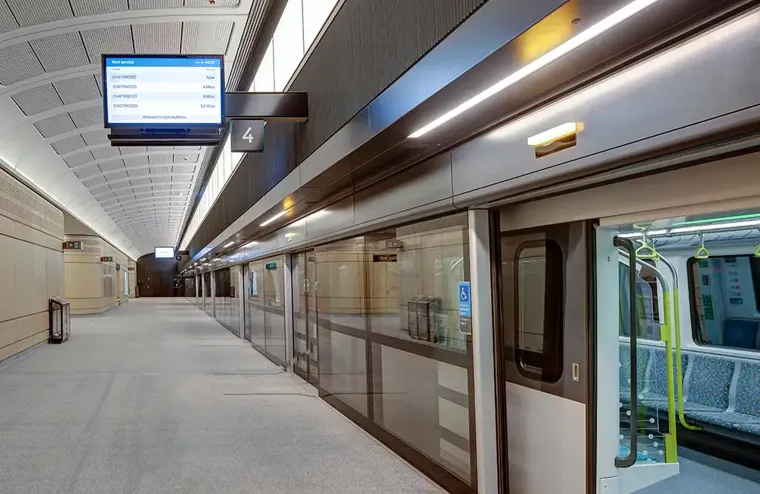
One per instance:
(626, 244)
(671, 450)
(677, 329)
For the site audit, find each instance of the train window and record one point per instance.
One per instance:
(539, 300)
(647, 302)
(725, 301)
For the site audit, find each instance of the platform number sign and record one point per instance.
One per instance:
(247, 136)
(465, 307)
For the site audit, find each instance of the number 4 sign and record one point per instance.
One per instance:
(247, 136)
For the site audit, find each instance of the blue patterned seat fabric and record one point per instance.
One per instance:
(709, 388)
(642, 359)
(746, 415)
(709, 384)
(657, 392)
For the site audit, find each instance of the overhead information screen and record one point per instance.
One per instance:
(164, 252)
(163, 91)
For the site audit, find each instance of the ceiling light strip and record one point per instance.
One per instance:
(568, 46)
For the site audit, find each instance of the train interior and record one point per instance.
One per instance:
(688, 311)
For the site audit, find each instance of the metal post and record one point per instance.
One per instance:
(483, 352)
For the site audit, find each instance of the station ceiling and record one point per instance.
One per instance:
(51, 113)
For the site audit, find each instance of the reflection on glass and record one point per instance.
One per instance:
(274, 302)
(392, 295)
(341, 315)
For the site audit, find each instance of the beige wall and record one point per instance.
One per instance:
(31, 265)
(93, 286)
(132, 269)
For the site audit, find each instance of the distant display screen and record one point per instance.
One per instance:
(164, 252)
(163, 91)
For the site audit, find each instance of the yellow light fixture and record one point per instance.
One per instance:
(555, 133)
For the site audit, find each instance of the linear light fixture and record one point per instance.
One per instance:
(278, 215)
(558, 132)
(203, 259)
(713, 220)
(207, 264)
(229, 244)
(652, 233)
(251, 244)
(716, 226)
(576, 41)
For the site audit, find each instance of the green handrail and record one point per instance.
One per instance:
(677, 328)
(671, 445)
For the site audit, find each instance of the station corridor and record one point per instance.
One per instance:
(155, 396)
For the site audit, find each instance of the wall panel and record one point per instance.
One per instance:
(31, 264)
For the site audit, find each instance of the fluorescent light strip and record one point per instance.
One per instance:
(250, 244)
(653, 233)
(577, 41)
(229, 244)
(716, 226)
(278, 215)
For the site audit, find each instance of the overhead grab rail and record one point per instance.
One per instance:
(624, 243)
(671, 450)
(701, 253)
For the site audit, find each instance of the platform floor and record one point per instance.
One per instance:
(157, 397)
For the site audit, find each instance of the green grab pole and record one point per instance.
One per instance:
(679, 366)
(671, 451)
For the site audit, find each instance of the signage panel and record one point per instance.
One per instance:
(72, 245)
(163, 91)
(385, 258)
(271, 265)
(106, 259)
(465, 307)
(118, 266)
(247, 136)
(164, 252)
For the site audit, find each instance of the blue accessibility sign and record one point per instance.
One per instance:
(464, 299)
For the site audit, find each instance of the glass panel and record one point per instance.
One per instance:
(256, 304)
(264, 80)
(341, 314)
(533, 278)
(274, 301)
(725, 295)
(413, 275)
(300, 348)
(288, 43)
(234, 300)
(315, 14)
(313, 326)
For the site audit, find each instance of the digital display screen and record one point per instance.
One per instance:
(164, 252)
(163, 91)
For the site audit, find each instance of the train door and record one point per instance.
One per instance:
(636, 442)
(545, 337)
(305, 342)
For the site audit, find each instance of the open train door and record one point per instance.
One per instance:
(636, 443)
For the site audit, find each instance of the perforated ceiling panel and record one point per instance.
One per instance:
(51, 114)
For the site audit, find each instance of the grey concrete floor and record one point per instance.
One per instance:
(156, 397)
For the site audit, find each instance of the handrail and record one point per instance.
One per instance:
(677, 329)
(671, 449)
(626, 244)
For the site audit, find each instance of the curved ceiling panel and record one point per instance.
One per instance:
(51, 114)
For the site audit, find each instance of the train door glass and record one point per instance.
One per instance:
(305, 342)
(544, 335)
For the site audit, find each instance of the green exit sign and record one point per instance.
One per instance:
(271, 265)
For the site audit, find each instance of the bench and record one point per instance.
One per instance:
(718, 391)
